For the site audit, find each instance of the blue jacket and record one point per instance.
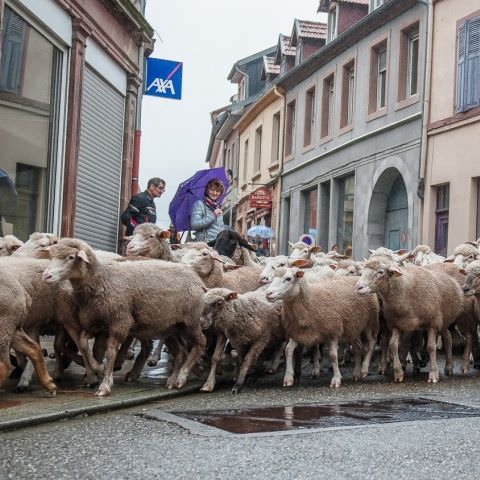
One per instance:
(204, 222)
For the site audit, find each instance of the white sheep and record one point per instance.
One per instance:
(36, 245)
(9, 244)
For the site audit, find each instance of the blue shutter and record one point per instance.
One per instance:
(460, 90)
(468, 66)
(12, 53)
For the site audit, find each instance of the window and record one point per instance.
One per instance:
(324, 206)
(276, 138)
(408, 62)
(378, 78)
(245, 160)
(290, 127)
(441, 219)
(242, 90)
(258, 150)
(348, 84)
(346, 195)
(375, 4)
(332, 24)
(328, 106)
(310, 220)
(30, 79)
(309, 117)
(285, 218)
(468, 66)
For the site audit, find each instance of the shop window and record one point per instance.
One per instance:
(29, 96)
(310, 219)
(346, 195)
(441, 219)
(309, 117)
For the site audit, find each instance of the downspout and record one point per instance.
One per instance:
(138, 122)
(280, 170)
(426, 113)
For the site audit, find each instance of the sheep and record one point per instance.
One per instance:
(148, 240)
(8, 245)
(324, 312)
(272, 263)
(413, 298)
(422, 255)
(36, 244)
(208, 266)
(227, 242)
(302, 251)
(23, 301)
(463, 254)
(348, 268)
(141, 299)
(248, 321)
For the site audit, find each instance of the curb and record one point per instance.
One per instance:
(93, 409)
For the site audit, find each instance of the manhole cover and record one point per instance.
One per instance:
(317, 416)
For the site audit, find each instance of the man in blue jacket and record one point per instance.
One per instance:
(141, 208)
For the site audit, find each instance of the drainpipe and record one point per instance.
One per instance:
(138, 122)
(280, 94)
(426, 111)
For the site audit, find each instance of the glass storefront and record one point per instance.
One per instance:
(346, 190)
(310, 222)
(29, 91)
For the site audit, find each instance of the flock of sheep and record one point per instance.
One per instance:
(200, 300)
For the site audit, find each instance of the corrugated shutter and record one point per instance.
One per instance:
(99, 163)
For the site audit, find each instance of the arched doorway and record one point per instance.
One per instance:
(388, 212)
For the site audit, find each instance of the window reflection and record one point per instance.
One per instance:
(28, 67)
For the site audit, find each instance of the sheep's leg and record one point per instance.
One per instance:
(317, 359)
(357, 358)
(333, 356)
(199, 344)
(277, 358)
(209, 385)
(110, 354)
(178, 353)
(288, 378)
(447, 346)
(154, 357)
(26, 377)
(22, 342)
(465, 365)
(383, 364)
(393, 350)
(433, 376)
(59, 347)
(134, 373)
(87, 354)
(255, 350)
(123, 354)
(368, 352)
(475, 348)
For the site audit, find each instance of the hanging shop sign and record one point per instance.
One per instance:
(261, 198)
(164, 78)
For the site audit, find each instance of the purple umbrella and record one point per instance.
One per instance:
(189, 192)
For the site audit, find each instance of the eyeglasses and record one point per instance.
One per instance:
(160, 187)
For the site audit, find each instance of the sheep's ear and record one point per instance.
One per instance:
(290, 244)
(205, 289)
(301, 262)
(176, 246)
(474, 244)
(231, 296)
(402, 251)
(394, 271)
(341, 257)
(332, 266)
(15, 246)
(315, 249)
(449, 259)
(299, 274)
(82, 254)
(229, 266)
(462, 271)
(370, 251)
(165, 234)
(217, 257)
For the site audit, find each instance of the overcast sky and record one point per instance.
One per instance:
(208, 36)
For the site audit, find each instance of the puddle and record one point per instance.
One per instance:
(278, 419)
(10, 403)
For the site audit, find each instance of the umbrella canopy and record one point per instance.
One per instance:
(261, 230)
(189, 192)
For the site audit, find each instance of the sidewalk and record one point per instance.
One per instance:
(37, 406)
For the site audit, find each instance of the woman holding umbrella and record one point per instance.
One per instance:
(207, 217)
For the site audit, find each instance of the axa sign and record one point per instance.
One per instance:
(164, 78)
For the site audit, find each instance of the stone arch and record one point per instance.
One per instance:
(388, 212)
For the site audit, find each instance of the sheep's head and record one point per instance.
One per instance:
(201, 258)
(464, 254)
(214, 302)
(272, 264)
(70, 259)
(375, 273)
(9, 244)
(301, 250)
(147, 238)
(285, 284)
(348, 268)
(472, 282)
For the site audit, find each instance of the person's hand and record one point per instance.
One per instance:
(217, 212)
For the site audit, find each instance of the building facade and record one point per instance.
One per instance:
(451, 167)
(353, 128)
(70, 93)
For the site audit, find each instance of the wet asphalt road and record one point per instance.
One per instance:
(132, 444)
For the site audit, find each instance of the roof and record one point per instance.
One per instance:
(269, 65)
(284, 47)
(324, 4)
(308, 29)
(244, 61)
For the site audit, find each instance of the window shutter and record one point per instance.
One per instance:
(472, 65)
(460, 89)
(12, 52)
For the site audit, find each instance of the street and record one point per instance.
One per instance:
(136, 443)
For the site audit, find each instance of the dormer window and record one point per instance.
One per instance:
(242, 90)
(332, 24)
(375, 4)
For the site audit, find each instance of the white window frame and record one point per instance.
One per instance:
(381, 78)
(413, 39)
